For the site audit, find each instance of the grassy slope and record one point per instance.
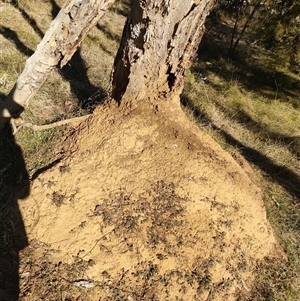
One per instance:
(253, 110)
(244, 104)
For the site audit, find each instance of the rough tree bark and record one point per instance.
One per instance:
(62, 39)
(159, 41)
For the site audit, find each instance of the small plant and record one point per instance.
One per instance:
(57, 198)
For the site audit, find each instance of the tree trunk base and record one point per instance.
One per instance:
(153, 201)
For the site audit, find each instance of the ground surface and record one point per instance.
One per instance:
(144, 206)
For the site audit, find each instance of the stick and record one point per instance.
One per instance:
(36, 127)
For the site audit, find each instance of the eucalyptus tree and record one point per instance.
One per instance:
(159, 41)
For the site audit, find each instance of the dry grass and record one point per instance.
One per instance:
(254, 111)
(72, 91)
(243, 105)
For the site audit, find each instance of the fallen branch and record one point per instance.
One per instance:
(58, 45)
(36, 127)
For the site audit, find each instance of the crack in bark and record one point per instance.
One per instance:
(195, 38)
(157, 46)
(172, 75)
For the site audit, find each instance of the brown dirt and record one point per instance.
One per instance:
(153, 206)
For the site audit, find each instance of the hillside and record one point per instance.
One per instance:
(128, 206)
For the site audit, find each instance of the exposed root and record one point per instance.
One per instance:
(36, 127)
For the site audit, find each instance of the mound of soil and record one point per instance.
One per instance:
(145, 206)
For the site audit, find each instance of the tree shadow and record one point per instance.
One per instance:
(122, 7)
(75, 72)
(252, 73)
(14, 185)
(11, 35)
(110, 35)
(29, 19)
(247, 65)
(279, 174)
(292, 143)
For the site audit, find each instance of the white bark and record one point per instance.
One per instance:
(62, 39)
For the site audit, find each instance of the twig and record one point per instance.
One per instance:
(3, 170)
(95, 244)
(276, 86)
(36, 127)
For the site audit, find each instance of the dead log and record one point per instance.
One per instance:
(60, 42)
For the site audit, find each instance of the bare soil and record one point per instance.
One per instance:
(144, 206)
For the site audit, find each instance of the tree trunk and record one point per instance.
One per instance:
(234, 30)
(256, 7)
(62, 39)
(159, 40)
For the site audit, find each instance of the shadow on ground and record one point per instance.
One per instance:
(279, 174)
(11, 35)
(28, 18)
(75, 72)
(14, 185)
(292, 143)
(251, 66)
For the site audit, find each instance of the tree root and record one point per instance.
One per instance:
(36, 127)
